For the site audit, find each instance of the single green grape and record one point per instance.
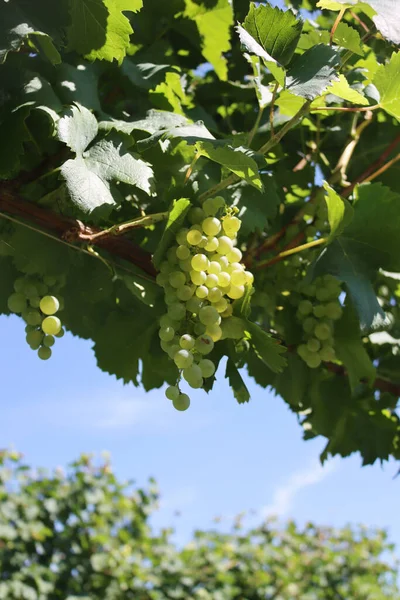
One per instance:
(200, 262)
(183, 359)
(193, 376)
(34, 339)
(166, 334)
(182, 402)
(322, 331)
(48, 341)
(305, 307)
(49, 305)
(44, 353)
(211, 226)
(236, 291)
(313, 344)
(182, 252)
(181, 237)
(51, 325)
(196, 215)
(208, 315)
(207, 368)
(204, 344)
(187, 341)
(177, 279)
(17, 303)
(185, 292)
(172, 392)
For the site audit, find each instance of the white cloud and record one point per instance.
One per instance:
(284, 495)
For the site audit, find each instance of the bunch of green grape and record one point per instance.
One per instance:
(318, 310)
(201, 278)
(38, 309)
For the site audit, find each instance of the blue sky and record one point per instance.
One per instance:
(216, 459)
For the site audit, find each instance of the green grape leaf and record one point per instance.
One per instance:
(342, 89)
(312, 72)
(293, 382)
(233, 328)
(387, 18)
(236, 160)
(288, 103)
(236, 382)
(79, 85)
(312, 38)
(387, 82)
(175, 220)
(347, 37)
(340, 212)
(88, 176)
(256, 208)
(155, 121)
(336, 4)
(275, 30)
(99, 29)
(254, 47)
(350, 349)
(13, 129)
(214, 22)
(266, 347)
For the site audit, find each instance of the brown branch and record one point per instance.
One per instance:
(73, 231)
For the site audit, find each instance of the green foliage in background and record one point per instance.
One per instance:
(85, 535)
(114, 111)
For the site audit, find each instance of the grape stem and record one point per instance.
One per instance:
(285, 253)
(336, 23)
(144, 221)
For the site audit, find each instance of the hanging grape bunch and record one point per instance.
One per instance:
(38, 309)
(317, 312)
(201, 278)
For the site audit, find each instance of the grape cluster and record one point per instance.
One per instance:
(201, 278)
(38, 309)
(317, 311)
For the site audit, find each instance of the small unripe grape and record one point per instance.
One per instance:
(19, 285)
(186, 341)
(207, 368)
(166, 334)
(334, 311)
(166, 321)
(33, 317)
(172, 392)
(212, 244)
(44, 353)
(322, 331)
(177, 311)
(200, 262)
(30, 290)
(186, 265)
(303, 351)
(214, 295)
(313, 361)
(165, 267)
(322, 294)
(172, 350)
(182, 402)
(204, 344)
(305, 307)
(234, 255)
(177, 279)
(208, 315)
(215, 332)
(162, 279)
(48, 341)
(225, 245)
(309, 290)
(227, 312)
(35, 302)
(165, 345)
(196, 215)
(309, 324)
(210, 207)
(319, 311)
(236, 291)
(313, 345)
(60, 334)
(211, 280)
(211, 226)
(202, 292)
(184, 293)
(199, 328)
(327, 354)
(181, 237)
(17, 303)
(171, 255)
(224, 279)
(183, 359)
(214, 268)
(194, 237)
(193, 376)
(221, 305)
(34, 339)
(238, 277)
(194, 304)
(182, 252)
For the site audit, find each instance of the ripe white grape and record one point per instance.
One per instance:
(194, 237)
(211, 280)
(200, 262)
(181, 237)
(221, 305)
(182, 402)
(211, 226)
(224, 279)
(207, 368)
(198, 277)
(208, 315)
(44, 353)
(238, 277)
(210, 207)
(214, 331)
(223, 261)
(214, 295)
(225, 245)
(234, 267)
(236, 291)
(204, 344)
(51, 325)
(183, 359)
(193, 376)
(49, 305)
(234, 255)
(212, 244)
(184, 293)
(249, 278)
(182, 252)
(202, 292)
(214, 268)
(172, 350)
(227, 312)
(231, 225)
(172, 392)
(187, 341)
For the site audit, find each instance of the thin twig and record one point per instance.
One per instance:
(267, 263)
(383, 169)
(271, 108)
(190, 168)
(345, 108)
(336, 23)
(255, 126)
(145, 221)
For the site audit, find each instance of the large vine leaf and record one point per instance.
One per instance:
(252, 46)
(234, 159)
(236, 382)
(99, 29)
(387, 81)
(275, 30)
(340, 212)
(342, 89)
(88, 176)
(266, 347)
(214, 22)
(387, 18)
(312, 72)
(348, 37)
